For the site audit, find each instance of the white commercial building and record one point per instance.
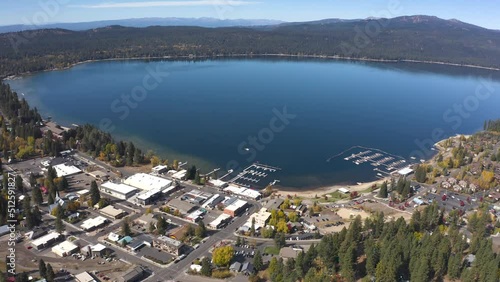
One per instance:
(120, 191)
(46, 240)
(180, 174)
(244, 192)
(146, 182)
(216, 224)
(405, 171)
(65, 248)
(344, 190)
(147, 197)
(93, 223)
(66, 170)
(217, 183)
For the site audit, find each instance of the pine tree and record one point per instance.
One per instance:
(161, 225)
(95, 195)
(201, 230)
(206, 267)
(42, 268)
(36, 194)
(50, 276)
(125, 230)
(257, 261)
(252, 227)
(382, 193)
(59, 225)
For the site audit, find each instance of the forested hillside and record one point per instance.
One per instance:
(414, 38)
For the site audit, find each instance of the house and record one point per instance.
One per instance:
(235, 267)
(65, 248)
(136, 274)
(247, 268)
(113, 237)
(168, 245)
(301, 210)
(125, 240)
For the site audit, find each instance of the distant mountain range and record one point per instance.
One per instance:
(408, 38)
(144, 22)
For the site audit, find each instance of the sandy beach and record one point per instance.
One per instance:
(311, 193)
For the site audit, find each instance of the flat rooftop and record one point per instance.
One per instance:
(145, 181)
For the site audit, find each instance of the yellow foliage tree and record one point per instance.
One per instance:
(222, 256)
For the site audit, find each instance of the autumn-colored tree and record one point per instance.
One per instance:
(222, 256)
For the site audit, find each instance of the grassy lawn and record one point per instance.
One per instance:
(271, 250)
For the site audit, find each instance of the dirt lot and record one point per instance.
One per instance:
(388, 211)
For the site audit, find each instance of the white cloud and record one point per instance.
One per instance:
(166, 4)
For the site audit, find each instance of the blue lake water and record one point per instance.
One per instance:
(226, 113)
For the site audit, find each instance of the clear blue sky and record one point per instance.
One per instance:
(483, 13)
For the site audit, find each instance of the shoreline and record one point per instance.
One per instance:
(250, 56)
(320, 191)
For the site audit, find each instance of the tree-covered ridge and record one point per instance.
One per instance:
(492, 125)
(429, 248)
(411, 38)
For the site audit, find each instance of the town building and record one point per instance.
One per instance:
(243, 192)
(147, 182)
(344, 190)
(195, 216)
(63, 170)
(113, 212)
(65, 248)
(148, 196)
(159, 169)
(146, 219)
(93, 223)
(180, 174)
(217, 183)
(46, 241)
(98, 250)
(213, 201)
(120, 191)
(220, 221)
(274, 204)
(135, 275)
(261, 218)
(183, 206)
(99, 175)
(168, 245)
(139, 242)
(235, 208)
(85, 277)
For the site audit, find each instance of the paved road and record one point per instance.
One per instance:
(179, 268)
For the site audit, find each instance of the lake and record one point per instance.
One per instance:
(298, 115)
